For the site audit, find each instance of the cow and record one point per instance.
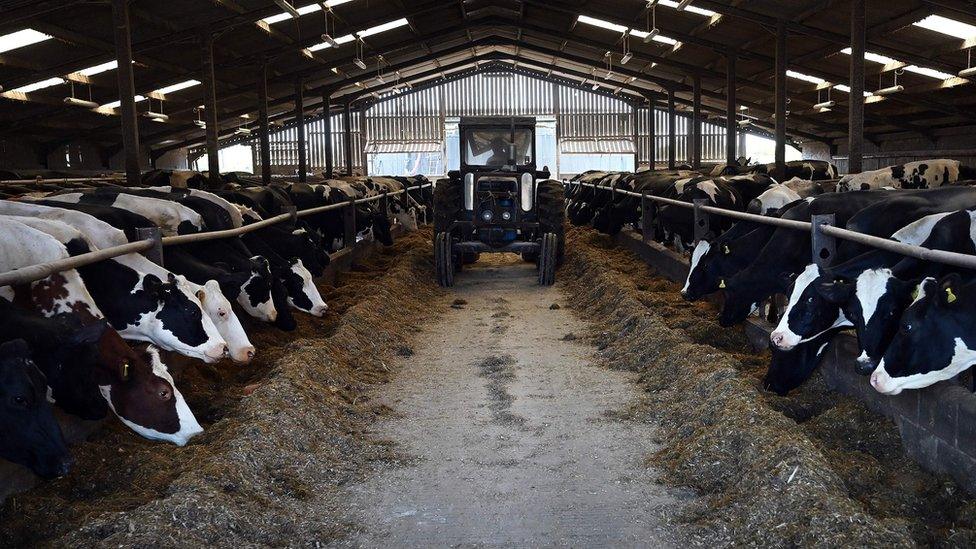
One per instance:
(773, 198)
(921, 174)
(63, 292)
(128, 222)
(30, 434)
(300, 288)
(171, 218)
(935, 339)
(785, 254)
(789, 369)
(905, 216)
(180, 179)
(403, 209)
(677, 223)
(102, 235)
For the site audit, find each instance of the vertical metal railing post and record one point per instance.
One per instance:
(349, 222)
(385, 202)
(701, 219)
(823, 247)
(154, 254)
(648, 210)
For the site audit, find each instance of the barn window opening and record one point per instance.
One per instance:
(21, 38)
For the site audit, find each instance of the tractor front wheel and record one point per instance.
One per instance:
(547, 259)
(444, 259)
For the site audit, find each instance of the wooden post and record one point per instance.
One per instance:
(265, 126)
(696, 138)
(327, 114)
(300, 128)
(780, 99)
(855, 128)
(730, 109)
(672, 138)
(210, 109)
(127, 92)
(347, 135)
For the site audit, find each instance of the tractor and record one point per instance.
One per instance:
(498, 201)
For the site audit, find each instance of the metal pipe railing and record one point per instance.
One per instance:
(955, 259)
(38, 180)
(32, 273)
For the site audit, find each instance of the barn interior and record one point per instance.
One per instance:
(329, 435)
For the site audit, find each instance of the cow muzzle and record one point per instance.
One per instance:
(782, 340)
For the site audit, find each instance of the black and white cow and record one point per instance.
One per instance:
(171, 218)
(936, 337)
(180, 179)
(789, 369)
(921, 174)
(30, 434)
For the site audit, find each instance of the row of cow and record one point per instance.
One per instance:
(89, 340)
(913, 319)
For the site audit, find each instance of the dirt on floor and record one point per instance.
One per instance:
(283, 434)
(813, 468)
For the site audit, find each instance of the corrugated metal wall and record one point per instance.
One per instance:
(419, 117)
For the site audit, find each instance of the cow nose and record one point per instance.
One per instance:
(250, 354)
(865, 366)
(226, 351)
(776, 338)
(64, 465)
(874, 380)
(320, 310)
(272, 316)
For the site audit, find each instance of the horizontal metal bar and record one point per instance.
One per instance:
(31, 273)
(58, 180)
(965, 261)
(25, 275)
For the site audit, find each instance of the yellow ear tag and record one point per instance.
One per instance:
(725, 249)
(721, 283)
(950, 297)
(125, 370)
(915, 294)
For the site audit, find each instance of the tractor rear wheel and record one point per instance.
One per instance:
(547, 259)
(443, 259)
(551, 206)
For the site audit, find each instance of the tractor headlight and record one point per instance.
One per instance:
(507, 215)
(469, 191)
(487, 215)
(528, 192)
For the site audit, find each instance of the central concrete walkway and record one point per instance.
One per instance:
(514, 430)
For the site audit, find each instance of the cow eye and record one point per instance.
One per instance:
(810, 299)
(164, 394)
(20, 400)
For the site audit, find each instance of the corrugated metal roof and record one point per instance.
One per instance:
(597, 146)
(403, 147)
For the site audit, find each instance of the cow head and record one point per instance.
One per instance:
(934, 340)
(142, 394)
(73, 361)
(808, 313)
(302, 293)
(382, 230)
(219, 309)
(31, 436)
(702, 279)
(181, 325)
(789, 369)
(255, 292)
(312, 253)
(873, 303)
(745, 291)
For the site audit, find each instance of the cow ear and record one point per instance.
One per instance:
(836, 292)
(152, 284)
(201, 295)
(949, 289)
(16, 347)
(89, 334)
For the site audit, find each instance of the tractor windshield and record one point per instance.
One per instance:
(493, 147)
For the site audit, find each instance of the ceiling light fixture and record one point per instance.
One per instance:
(652, 30)
(825, 105)
(80, 102)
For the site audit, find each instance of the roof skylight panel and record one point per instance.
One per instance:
(117, 104)
(40, 85)
(304, 10)
(382, 28)
(950, 27)
(21, 38)
(177, 87)
(689, 8)
(885, 60)
(805, 77)
(98, 69)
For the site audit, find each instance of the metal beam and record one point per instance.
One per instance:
(210, 107)
(264, 129)
(696, 141)
(781, 64)
(855, 133)
(300, 128)
(730, 109)
(130, 127)
(327, 119)
(672, 130)
(347, 135)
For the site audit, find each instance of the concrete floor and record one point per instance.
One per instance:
(513, 429)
